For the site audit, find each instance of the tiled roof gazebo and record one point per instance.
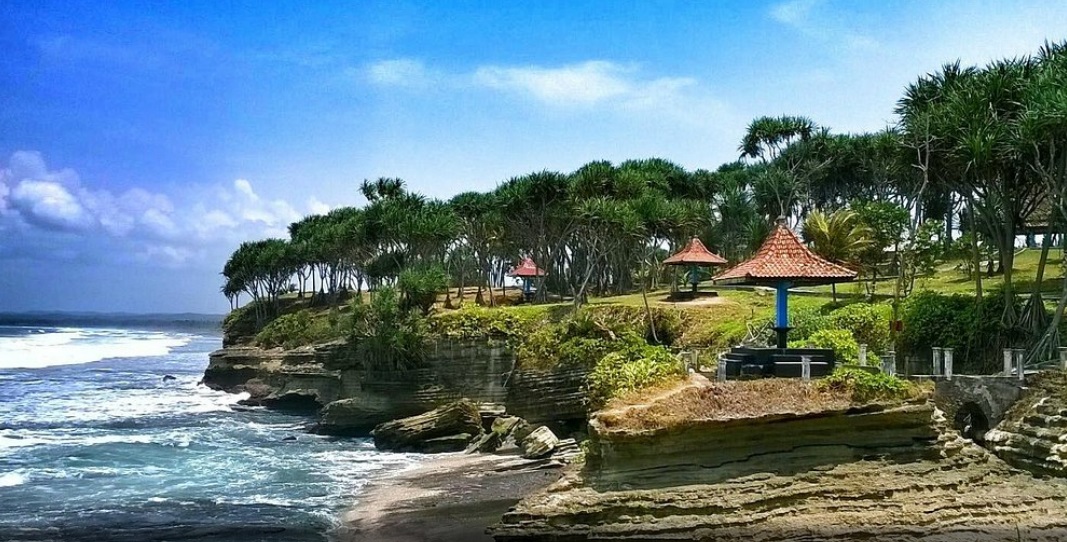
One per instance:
(527, 270)
(695, 255)
(783, 262)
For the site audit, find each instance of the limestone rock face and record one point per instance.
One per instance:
(871, 473)
(1033, 435)
(355, 416)
(421, 433)
(540, 443)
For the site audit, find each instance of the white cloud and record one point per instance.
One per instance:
(794, 12)
(809, 18)
(138, 225)
(589, 82)
(317, 207)
(399, 72)
(49, 205)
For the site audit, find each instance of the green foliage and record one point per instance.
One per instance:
(632, 368)
(868, 323)
(419, 286)
(866, 386)
(472, 322)
(386, 336)
(298, 329)
(844, 345)
(959, 322)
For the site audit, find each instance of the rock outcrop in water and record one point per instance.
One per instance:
(355, 398)
(871, 473)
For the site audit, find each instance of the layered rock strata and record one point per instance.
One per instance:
(359, 396)
(1033, 435)
(872, 473)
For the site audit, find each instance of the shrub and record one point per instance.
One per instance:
(297, 329)
(844, 345)
(472, 322)
(387, 336)
(864, 386)
(868, 323)
(633, 368)
(419, 286)
(973, 330)
(806, 321)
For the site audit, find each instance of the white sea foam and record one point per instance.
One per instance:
(13, 478)
(70, 346)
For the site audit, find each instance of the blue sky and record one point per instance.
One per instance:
(140, 142)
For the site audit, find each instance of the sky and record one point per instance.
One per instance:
(141, 142)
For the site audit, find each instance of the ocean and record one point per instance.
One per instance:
(97, 443)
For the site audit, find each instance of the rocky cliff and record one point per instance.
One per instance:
(1033, 435)
(354, 397)
(873, 472)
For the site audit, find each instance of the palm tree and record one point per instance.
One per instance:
(839, 237)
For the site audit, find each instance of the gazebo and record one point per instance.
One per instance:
(695, 255)
(784, 262)
(527, 270)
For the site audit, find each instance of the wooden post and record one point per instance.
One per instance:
(948, 363)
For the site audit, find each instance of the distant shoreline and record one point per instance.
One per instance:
(152, 322)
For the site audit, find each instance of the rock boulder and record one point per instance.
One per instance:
(414, 434)
(540, 443)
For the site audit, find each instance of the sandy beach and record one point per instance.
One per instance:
(451, 497)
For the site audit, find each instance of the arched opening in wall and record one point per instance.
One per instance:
(971, 422)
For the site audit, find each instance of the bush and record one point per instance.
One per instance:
(956, 321)
(844, 345)
(387, 336)
(864, 386)
(633, 368)
(419, 286)
(298, 329)
(472, 322)
(868, 323)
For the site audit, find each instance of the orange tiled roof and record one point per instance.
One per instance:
(784, 257)
(695, 253)
(528, 269)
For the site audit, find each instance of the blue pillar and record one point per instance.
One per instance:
(782, 321)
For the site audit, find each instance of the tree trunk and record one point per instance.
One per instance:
(975, 256)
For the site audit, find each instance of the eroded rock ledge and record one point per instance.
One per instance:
(1033, 435)
(874, 473)
(355, 398)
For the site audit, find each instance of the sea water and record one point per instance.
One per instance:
(98, 443)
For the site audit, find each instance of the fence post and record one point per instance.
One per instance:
(936, 370)
(694, 361)
(948, 364)
(889, 363)
(1019, 355)
(1007, 361)
(1063, 358)
(722, 370)
(863, 354)
(805, 368)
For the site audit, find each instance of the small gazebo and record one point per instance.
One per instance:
(694, 256)
(527, 270)
(783, 262)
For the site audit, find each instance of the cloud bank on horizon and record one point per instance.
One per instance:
(142, 145)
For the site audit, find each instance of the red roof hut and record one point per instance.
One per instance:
(783, 262)
(527, 270)
(695, 254)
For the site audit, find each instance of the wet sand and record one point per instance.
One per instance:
(452, 497)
